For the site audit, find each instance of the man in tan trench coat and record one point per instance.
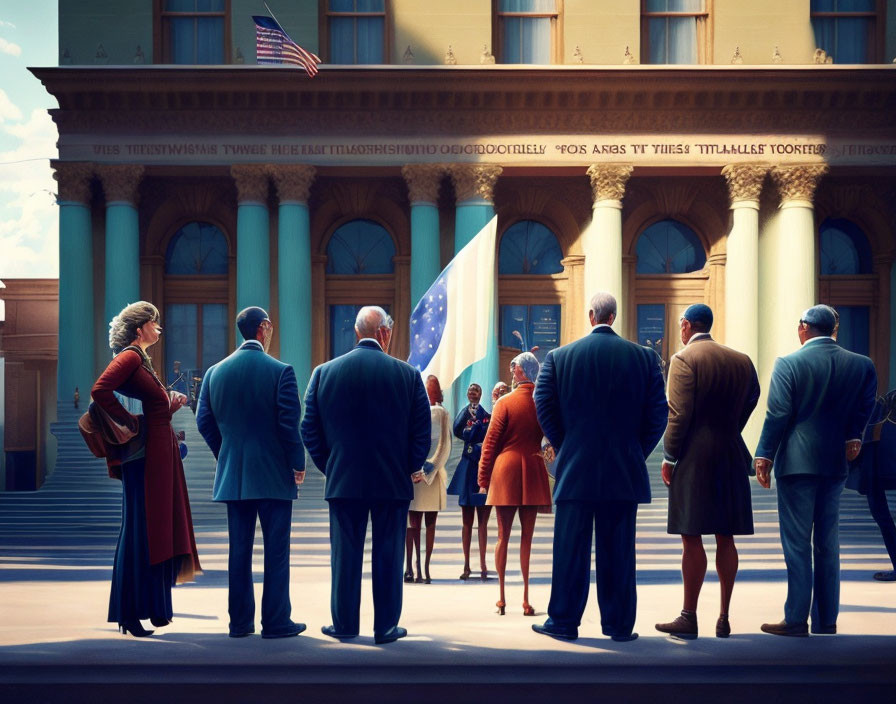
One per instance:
(713, 389)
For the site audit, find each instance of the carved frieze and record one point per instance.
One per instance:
(293, 181)
(798, 182)
(744, 180)
(474, 181)
(120, 181)
(423, 181)
(73, 179)
(251, 181)
(608, 180)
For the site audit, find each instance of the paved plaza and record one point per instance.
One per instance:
(57, 544)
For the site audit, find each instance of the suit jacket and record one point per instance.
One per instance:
(601, 403)
(713, 389)
(820, 396)
(248, 413)
(367, 424)
(470, 434)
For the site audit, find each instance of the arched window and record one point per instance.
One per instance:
(198, 248)
(528, 247)
(844, 248)
(360, 247)
(669, 247)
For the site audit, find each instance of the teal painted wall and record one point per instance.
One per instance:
(119, 25)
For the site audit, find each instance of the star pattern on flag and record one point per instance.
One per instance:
(428, 324)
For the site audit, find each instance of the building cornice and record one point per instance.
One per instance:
(474, 100)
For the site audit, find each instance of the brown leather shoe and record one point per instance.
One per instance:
(795, 630)
(685, 626)
(723, 628)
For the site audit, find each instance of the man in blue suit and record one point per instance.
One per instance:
(248, 413)
(819, 401)
(601, 404)
(367, 428)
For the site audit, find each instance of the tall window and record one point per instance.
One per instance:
(845, 266)
(675, 32)
(194, 31)
(356, 31)
(360, 271)
(529, 248)
(848, 30)
(527, 31)
(669, 247)
(196, 294)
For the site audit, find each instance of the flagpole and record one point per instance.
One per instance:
(275, 19)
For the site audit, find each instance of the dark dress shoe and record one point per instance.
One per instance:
(293, 630)
(390, 636)
(794, 630)
(885, 576)
(723, 628)
(242, 634)
(553, 632)
(331, 631)
(160, 622)
(824, 630)
(625, 638)
(135, 628)
(684, 626)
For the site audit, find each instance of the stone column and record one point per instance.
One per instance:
(574, 321)
(742, 264)
(602, 239)
(293, 183)
(474, 187)
(253, 268)
(423, 188)
(75, 366)
(794, 286)
(120, 183)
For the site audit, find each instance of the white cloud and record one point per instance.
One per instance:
(8, 109)
(10, 48)
(4, 23)
(29, 232)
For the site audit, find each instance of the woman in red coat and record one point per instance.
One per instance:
(156, 547)
(512, 470)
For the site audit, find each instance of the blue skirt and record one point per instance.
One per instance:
(465, 482)
(139, 590)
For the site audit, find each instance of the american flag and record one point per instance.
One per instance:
(273, 46)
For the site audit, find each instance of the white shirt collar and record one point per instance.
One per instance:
(819, 337)
(253, 343)
(601, 325)
(697, 336)
(372, 339)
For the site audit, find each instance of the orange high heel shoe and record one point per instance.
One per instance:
(500, 605)
(527, 609)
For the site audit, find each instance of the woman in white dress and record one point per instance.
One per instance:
(430, 495)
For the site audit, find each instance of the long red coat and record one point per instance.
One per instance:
(169, 523)
(511, 466)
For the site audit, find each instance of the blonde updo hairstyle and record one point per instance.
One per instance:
(123, 327)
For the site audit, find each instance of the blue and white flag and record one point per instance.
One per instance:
(450, 324)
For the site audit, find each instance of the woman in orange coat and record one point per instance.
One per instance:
(512, 470)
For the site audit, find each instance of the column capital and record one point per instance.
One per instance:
(73, 179)
(423, 181)
(120, 181)
(744, 181)
(798, 182)
(251, 182)
(474, 180)
(293, 181)
(608, 180)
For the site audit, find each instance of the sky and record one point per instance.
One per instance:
(29, 226)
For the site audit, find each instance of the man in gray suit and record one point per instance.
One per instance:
(819, 401)
(248, 413)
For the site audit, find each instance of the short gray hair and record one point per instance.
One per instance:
(370, 319)
(603, 305)
(123, 327)
(529, 364)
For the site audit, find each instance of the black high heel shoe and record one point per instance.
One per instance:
(135, 629)
(160, 622)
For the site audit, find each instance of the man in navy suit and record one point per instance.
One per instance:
(601, 404)
(367, 428)
(248, 413)
(819, 401)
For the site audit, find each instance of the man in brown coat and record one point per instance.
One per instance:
(712, 392)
